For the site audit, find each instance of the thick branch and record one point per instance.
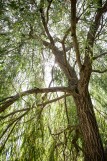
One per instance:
(60, 59)
(59, 55)
(5, 104)
(94, 27)
(90, 41)
(73, 31)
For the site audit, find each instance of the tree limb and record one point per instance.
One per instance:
(94, 27)
(73, 32)
(59, 55)
(44, 22)
(60, 59)
(90, 40)
(5, 104)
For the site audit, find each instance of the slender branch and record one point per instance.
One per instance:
(64, 53)
(94, 27)
(83, 13)
(66, 34)
(4, 99)
(54, 100)
(100, 30)
(14, 112)
(66, 110)
(99, 71)
(73, 32)
(44, 22)
(1, 148)
(102, 113)
(3, 133)
(9, 125)
(71, 128)
(14, 122)
(48, 8)
(99, 56)
(42, 104)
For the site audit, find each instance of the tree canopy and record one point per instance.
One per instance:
(53, 71)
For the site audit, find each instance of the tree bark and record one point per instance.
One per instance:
(93, 148)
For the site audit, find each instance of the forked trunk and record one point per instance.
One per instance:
(93, 147)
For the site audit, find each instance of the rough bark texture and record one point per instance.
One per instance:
(93, 148)
(92, 142)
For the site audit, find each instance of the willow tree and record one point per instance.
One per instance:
(73, 34)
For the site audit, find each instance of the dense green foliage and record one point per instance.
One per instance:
(33, 129)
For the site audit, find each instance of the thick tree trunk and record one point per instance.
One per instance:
(93, 147)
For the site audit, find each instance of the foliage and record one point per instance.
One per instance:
(33, 129)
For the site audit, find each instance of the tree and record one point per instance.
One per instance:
(31, 32)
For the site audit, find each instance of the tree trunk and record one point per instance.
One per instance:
(93, 148)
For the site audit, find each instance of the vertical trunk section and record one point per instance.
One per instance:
(93, 147)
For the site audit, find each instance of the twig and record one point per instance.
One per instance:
(14, 112)
(99, 56)
(66, 109)
(99, 71)
(53, 100)
(66, 34)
